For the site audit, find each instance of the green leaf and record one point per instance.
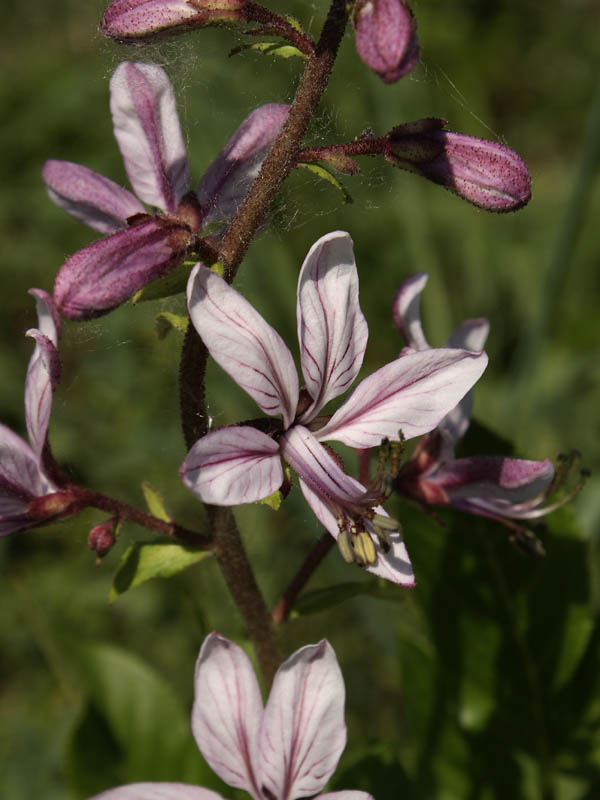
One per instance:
(270, 49)
(273, 500)
(326, 175)
(173, 283)
(146, 560)
(166, 321)
(133, 726)
(322, 599)
(155, 502)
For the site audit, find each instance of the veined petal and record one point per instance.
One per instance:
(407, 311)
(227, 712)
(226, 182)
(89, 197)
(509, 487)
(332, 330)
(159, 791)
(106, 273)
(411, 394)
(233, 466)
(303, 732)
(243, 344)
(147, 130)
(393, 566)
(42, 377)
(48, 318)
(20, 474)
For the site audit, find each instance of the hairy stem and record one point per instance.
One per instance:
(284, 152)
(240, 579)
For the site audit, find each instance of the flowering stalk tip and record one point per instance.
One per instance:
(487, 174)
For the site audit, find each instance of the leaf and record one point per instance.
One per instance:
(166, 321)
(273, 500)
(173, 283)
(155, 502)
(322, 599)
(270, 49)
(133, 727)
(146, 560)
(326, 175)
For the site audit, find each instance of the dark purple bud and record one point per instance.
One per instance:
(105, 274)
(487, 174)
(386, 37)
(102, 537)
(137, 20)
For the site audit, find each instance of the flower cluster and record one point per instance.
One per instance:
(143, 246)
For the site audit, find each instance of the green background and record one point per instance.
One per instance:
(482, 682)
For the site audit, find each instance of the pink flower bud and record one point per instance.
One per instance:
(386, 37)
(487, 174)
(134, 20)
(102, 537)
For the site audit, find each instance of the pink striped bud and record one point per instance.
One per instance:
(485, 173)
(102, 537)
(386, 37)
(137, 20)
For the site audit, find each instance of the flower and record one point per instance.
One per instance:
(491, 486)
(28, 496)
(286, 750)
(241, 464)
(487, 174)
(142, 246)
(386, 37)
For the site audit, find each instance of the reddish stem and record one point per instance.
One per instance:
(282, 610)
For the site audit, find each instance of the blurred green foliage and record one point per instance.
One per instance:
(484, 682)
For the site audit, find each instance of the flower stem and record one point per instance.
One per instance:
(88, 498)
(282, 610)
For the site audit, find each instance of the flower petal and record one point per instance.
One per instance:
(332, 330)
(510, 487)
(303, 732)
(226, 182)
(407, 311)
(411, 394)
(233, 466)
(89, 197)
(331, 493)
(227, 712)
(147, 130)
(159, 791)
(21, 479)
(243, 344)
(106, 273)
(393, 566)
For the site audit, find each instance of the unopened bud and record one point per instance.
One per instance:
(143, 20)
(386, 37)
(52, 506)
(487, 174)
(102, 537)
